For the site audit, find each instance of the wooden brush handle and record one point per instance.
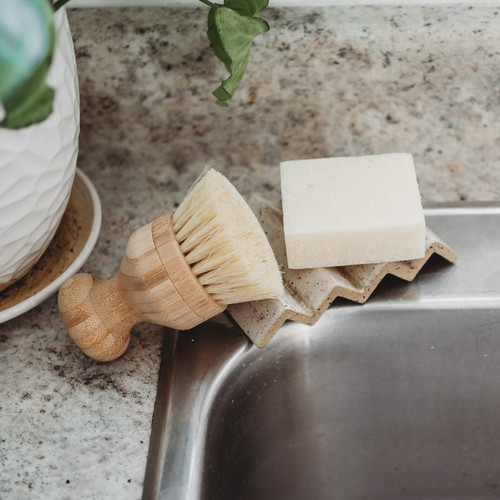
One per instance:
(154, 284)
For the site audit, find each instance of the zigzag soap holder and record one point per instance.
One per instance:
(309, 292)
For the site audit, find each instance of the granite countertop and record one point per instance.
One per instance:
(324, 82)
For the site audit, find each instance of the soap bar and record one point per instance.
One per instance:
(351, 210)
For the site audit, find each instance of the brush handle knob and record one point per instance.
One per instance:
(154, 284)
(97, 316)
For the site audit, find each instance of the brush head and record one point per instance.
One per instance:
(224, 243)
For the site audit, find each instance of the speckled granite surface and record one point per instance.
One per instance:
(323, 82)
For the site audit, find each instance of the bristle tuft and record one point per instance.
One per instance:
(224, 243)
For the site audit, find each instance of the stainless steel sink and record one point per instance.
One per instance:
(397, 398)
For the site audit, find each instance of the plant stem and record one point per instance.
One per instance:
(57, 5)
(208, 2)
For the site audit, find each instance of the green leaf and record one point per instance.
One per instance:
(215, 38)
(32, 103)
(246, 7)
(231, 35)
(27, 40)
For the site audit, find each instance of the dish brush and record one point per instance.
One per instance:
(178, 271)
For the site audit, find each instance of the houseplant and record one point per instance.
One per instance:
(39, 114)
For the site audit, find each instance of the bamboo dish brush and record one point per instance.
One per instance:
(177, 271)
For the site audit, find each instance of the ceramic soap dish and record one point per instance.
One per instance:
(309, 292)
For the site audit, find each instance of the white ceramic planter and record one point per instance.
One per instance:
(37, 168)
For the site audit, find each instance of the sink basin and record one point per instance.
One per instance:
(396, 398)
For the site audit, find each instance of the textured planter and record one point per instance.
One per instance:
(37, 168)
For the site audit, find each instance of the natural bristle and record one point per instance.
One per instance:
(224, 243)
